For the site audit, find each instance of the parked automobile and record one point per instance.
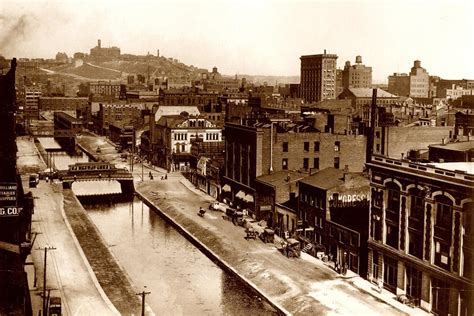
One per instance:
(217, 206)
(55, 306)
(34, 180)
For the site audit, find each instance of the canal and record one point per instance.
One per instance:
(181, 279)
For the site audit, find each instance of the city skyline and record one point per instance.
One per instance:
(263, 38)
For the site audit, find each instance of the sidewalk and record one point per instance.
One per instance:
(351, 278)
(299, 286)
(68, 273)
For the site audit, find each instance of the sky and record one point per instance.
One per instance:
(265, 37)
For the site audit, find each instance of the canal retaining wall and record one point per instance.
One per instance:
(212, 255)
(112, 278)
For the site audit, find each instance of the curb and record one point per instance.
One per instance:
(86, 262)
(213, 256)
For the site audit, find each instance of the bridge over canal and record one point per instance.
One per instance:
(97, 171)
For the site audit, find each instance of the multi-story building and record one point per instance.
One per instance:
(399, 84)
(420, 233)
(333, 207)
(119, 115)
(105, 88)
(356, 76)
(419, 81)
(174, 135)
(258, 147)
(416, 84)
(75, 104)
(32, 95)
(457, 92)
(362, 100)
(318, 77)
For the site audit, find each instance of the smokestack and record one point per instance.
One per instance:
(98, 43)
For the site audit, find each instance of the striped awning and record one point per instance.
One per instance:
(248, 198)
(240, 195)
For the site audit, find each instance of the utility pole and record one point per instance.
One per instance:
(142, 294)
(44, 275)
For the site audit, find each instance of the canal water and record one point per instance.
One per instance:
(181, 279)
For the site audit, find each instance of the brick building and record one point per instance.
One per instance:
(356, 76)
(333, 207)
(420, 240)
(415, 84)
(256, 148)
(318, 77)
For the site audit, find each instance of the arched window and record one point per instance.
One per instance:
(444, 211)
(417, 203)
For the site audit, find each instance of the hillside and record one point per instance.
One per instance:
(89, 71)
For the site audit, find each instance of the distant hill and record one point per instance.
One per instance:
(91, 72)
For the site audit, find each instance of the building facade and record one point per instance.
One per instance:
(256, 148)
(174, 136)
(356, 76)
(416, 84)
(333, 207)
(420, 234)
(318, 77)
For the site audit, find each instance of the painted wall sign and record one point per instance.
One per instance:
(349, 200)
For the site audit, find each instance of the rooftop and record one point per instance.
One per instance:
(367, 93)
(325, 179)
(281, 177)
(458, 146)
(468, 167)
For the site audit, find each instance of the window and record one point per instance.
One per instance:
(443, 212)
(336, 162)
(375, 265)
(337, 146)
(390, 274)
(316, 163)
(414, 284)
(416, 204)
(306, 146)
(440, 292)
(285, 147)
(392, 235)
(316, 146)
(305, 163)
(442, 258)
(415, 244)
(284, 163)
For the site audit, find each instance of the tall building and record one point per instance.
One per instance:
(318, 77)
(419, 81)
(356, 76)
(32, 95)
(416, 84)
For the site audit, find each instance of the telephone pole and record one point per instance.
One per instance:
(142, 294)
(44, 275)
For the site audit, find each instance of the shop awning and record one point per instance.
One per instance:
(240, 195)
(248, 198)
(226, 188)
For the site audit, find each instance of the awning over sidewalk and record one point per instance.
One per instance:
(240, 195)
(248, 198)
(226, 188)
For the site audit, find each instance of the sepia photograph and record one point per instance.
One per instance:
(236, 157)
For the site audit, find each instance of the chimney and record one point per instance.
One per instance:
(324, 52)
(98, 43)
(346, 173)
